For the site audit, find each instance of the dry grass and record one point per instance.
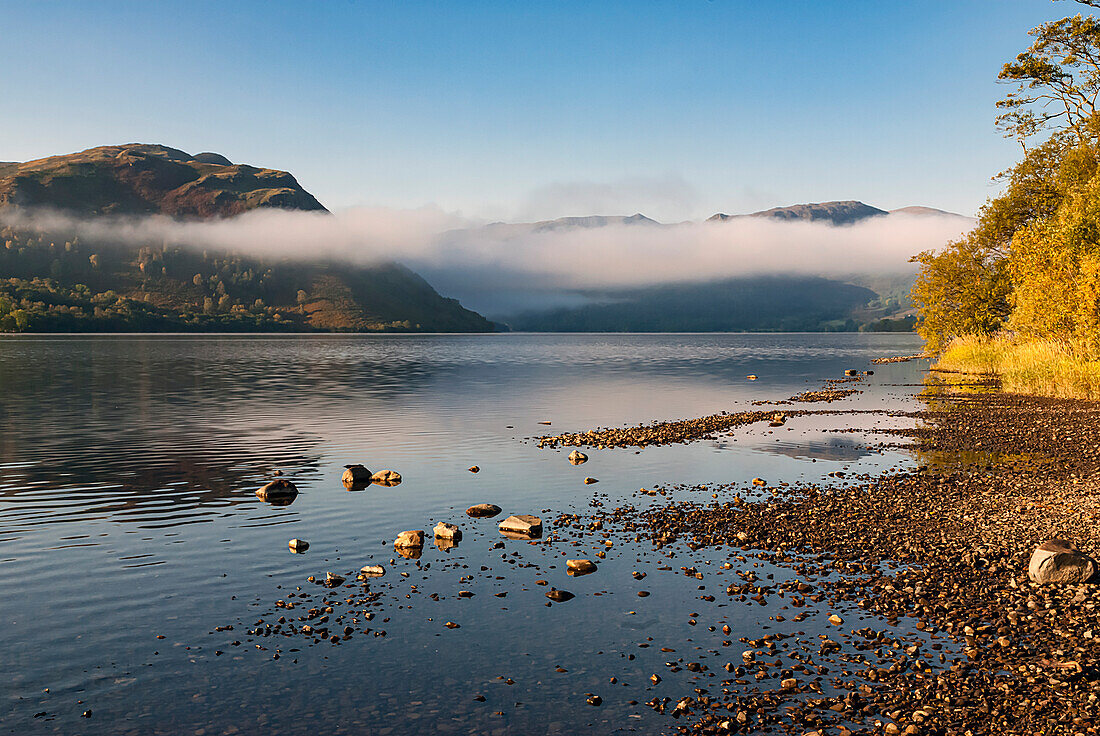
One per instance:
(1026, 366)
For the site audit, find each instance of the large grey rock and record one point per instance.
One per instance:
(277, 490)
(414, 538)
(355, 475)
(1059, 561)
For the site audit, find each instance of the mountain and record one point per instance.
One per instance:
(836, 213)
(141, 179)
(55, 281)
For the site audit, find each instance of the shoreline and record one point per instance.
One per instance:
(939, 556)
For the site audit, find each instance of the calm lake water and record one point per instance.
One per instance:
(128, 466)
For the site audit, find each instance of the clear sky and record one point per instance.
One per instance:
(520, 108)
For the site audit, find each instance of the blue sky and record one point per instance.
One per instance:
(537, 109)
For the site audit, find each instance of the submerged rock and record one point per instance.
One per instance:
(1059, 561)
(298, 545)
(414, 538)
(483, 510)
(525, 524)
(355, 476)
(386, 478)
(278, 490)
(577, 457)
(443, 530)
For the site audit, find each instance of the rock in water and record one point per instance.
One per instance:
(298, 545)
(333, 580)
(386, 478)
(413, 538)
(577, 457)
(759, 482)
(483, 510)
(278, 490)
(579, 567)
(355, 476)
(372, 571)
(525, 524)
(1059, 561)
(590, 481)
(443, 530)
(474, 469)
(560, 596)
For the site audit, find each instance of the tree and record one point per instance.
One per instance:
(1057, 79)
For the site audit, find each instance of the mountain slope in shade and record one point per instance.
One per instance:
(837, 213)
(142, 179)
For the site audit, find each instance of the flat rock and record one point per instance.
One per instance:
(559, 596)
(279, 489)
(443, 530)
(1059, 561)
(524, 524)
(483, 510)
(298, 545)
(414, 538)
(577, 457)
(372, 571)
(590, 481)
(386, 478)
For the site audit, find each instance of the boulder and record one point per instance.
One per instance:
(298, 545)
(413, 538)
(386, 478)
(355, 476)
(1059, 561)
(483, 510)
(579, 567)
(525, 524)
(277, 490)
(443, 530)
(577, 457)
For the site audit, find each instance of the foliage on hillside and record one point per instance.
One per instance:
(51, 283)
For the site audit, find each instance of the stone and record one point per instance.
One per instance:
(298, 545)
(559, 596)
(474, 469)
(277, 490)
(577, 457)
(443, 530)
(590, 481)
(524, 524)
(759, 482)
(372, 571)
(580, 567)
(851, 372)
(332, 580)
(1059, 561)
(386, 478)
(355, 475)
(751, 376)
(414, 538)
(789, 684)
(483, 510)
(835, 620)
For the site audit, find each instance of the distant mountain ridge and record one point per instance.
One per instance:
(837, 213)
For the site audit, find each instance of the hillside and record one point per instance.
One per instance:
(140, 179)
(58, 282)
(836, 213)
(761, 303)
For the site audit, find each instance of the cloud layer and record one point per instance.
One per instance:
(490, 267)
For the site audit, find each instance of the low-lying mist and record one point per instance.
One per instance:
(497, 268)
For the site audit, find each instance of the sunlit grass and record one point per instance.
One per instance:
(1026, 366)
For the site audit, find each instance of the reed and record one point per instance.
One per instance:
(1026, 365)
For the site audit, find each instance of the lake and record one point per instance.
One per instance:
(128, 466)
